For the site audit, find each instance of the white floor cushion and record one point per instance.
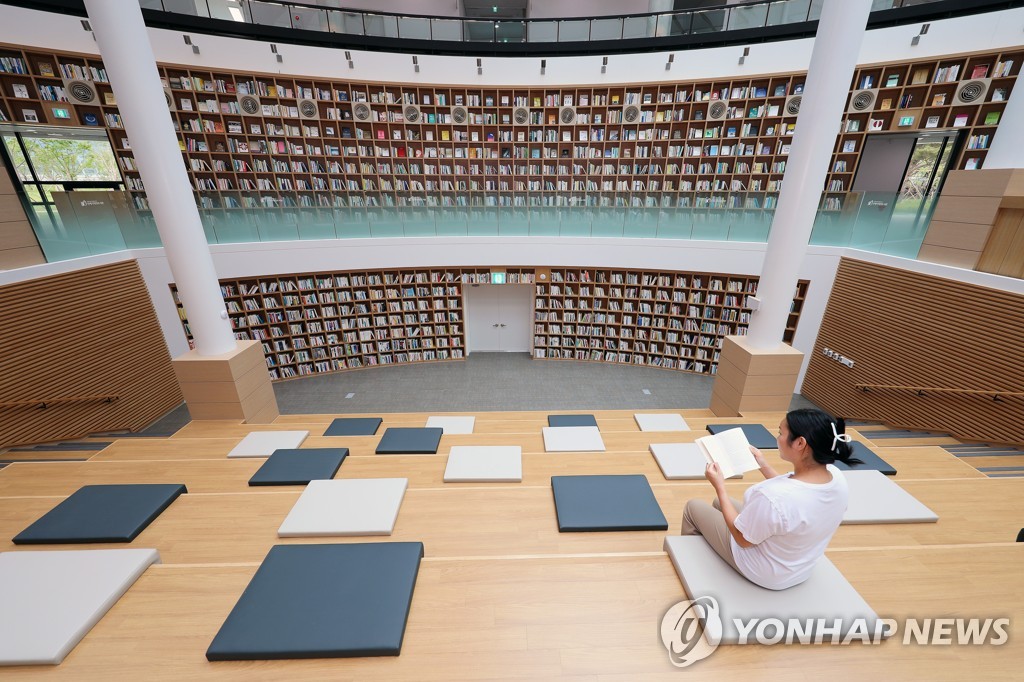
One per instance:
(452, 425)
(826, 594)
(49, 600)
(875, 498)
(263, 443)
(484, 463)
(679, 460)
(358, 506)
(572, 439)
(661, 422)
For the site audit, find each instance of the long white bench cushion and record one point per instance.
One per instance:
(572, 439)
(484, 463)
(875, 498)
(452, 425)
(263, 443)
(50, 600)
(661, 422)
(826, 594)
(357, 506)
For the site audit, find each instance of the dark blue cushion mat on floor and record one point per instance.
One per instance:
(290, 466)
(758, 436)
(323, 601)
(101, 513)
(606, 503)
(571, 420)
(870, 459)
(355, 426)
(410, 441)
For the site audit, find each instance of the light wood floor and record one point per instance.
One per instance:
(501, 593)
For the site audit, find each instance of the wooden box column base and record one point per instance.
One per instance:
(232, 385)
(754, 380)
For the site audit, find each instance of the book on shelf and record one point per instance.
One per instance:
(906, 100)
(760, 92)
(932, 122)
(30, 116)
(920, 76)
(729, 449)
(109, 99)
(999, 95)
(798, 89)
(254, 129)
(979, 71)
(380, 134)
(849, 146)
(892, 80)
(615, 100)
(992, 118)
(45, 69)
(20, 90)
(90, 119)
(852, 125)
(445, 135)
(867, 82)
(886, 103)
(960, 121)
(939, 99)
(876, 124)
(780, 91)
(971, 163)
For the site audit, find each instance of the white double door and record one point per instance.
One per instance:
(498, 318)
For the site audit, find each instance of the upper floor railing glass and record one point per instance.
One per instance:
(475, 31)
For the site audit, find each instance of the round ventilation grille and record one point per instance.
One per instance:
(862, 101)
(361, 112)
(521, 116)
(631, 114)
(81, 92)
(412, 114)
(793, 106)
(717, 110)
(459, 115)
(308, 109)
(971, 91)
(249, 105)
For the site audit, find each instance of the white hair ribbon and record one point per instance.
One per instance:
(837, 437)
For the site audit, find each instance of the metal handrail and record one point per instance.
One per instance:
(922, 390)
(719, 18)
(43, 403)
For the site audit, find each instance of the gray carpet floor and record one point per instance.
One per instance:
(487, 382)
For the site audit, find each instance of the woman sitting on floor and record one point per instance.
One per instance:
(782, 527)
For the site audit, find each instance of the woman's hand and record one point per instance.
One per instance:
(758, 456)
(713, 473)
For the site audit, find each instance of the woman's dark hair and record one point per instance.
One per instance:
(816, 428)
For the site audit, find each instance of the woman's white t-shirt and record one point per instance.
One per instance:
(790, 523)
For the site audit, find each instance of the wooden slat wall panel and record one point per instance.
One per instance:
(910, 329)
(88, 332)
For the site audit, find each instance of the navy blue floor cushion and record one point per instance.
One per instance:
(299, 466)
(604, 503)
(410, 441)
(571, 420)
(355, 426)
(101, 513)
(870, 459)
(758, 436)
(323, 601)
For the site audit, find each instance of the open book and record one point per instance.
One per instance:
(731, 450)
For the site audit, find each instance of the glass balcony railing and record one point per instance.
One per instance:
(301, 16)
(899, 231)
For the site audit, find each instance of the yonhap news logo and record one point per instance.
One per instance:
(692, 630)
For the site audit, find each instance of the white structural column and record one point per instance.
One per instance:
(833, 60)
(131, 67)
(1007, 149)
